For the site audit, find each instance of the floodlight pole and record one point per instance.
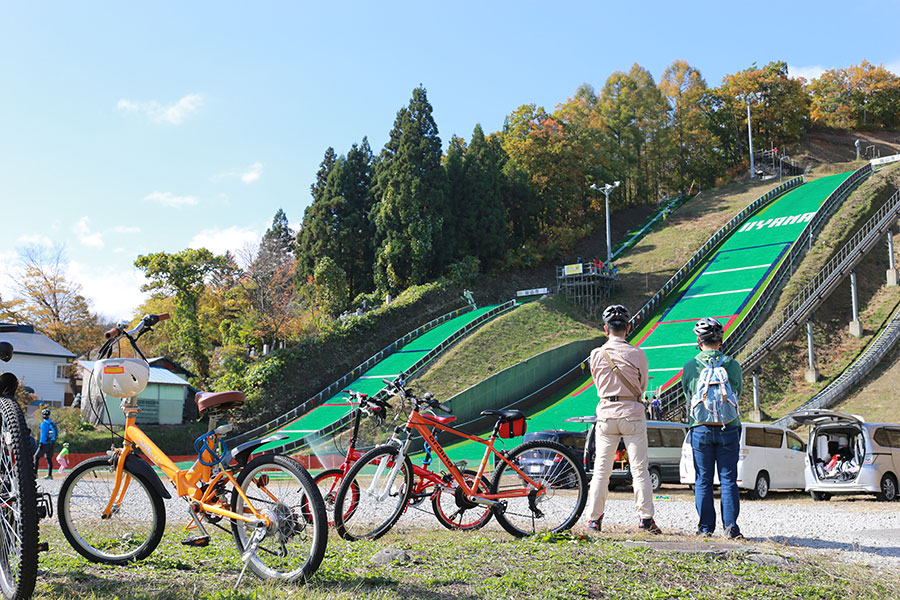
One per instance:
(606, 189)
(747, 98)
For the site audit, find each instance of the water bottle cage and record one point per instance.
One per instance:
(203, 446)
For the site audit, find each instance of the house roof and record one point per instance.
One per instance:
(157, 374)
(28, 341)
(167, 363)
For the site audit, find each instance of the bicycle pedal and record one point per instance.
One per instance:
(197, 542)
(43, 547)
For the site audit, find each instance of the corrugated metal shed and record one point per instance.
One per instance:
(28, 341)
(157, 375)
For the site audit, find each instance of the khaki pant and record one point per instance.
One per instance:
(634, 432)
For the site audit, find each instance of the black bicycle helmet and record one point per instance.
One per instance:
(616, 315)
(709, 330)
(45, 413)
(6, 351)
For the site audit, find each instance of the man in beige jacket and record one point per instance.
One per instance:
(620, 374)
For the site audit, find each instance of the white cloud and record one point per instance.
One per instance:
(82, 230)
(113, 292)
(170, 199)
(173, 114)
(249, 175)
(34, 239)
(808, 73)
(219, 241)
(253, 173)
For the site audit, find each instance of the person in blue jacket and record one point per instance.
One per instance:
(46, 443)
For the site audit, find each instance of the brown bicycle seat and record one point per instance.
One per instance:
(218, 400)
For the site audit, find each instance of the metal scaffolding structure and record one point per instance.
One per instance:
(587, 286)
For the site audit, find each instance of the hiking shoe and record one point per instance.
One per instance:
(733, 533)
(703, 533)
(649, 525)
(596, 524)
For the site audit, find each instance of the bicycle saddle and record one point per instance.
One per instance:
(218, 400)
(504, 415)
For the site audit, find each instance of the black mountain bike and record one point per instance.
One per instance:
(20, 503)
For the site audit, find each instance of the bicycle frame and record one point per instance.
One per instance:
(423, 425)
(187, 482)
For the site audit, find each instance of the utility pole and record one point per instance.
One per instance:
(606, 189)
(748, 98)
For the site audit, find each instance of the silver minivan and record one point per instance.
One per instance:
(771, 457)
(846, 455)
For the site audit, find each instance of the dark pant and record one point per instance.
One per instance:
(716, 449)
(45, 450)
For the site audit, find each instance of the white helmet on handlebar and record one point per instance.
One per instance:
(122, 377)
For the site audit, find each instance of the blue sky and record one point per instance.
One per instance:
(129, 128)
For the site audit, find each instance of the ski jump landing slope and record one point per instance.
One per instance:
(725, 287)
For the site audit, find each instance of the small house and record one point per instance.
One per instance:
(40, 364)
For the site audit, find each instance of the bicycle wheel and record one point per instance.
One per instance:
(135, 525)
(294, 544)
(18, 505)
(560, 504)
(454, 511)
(329, 482)
(384, 489)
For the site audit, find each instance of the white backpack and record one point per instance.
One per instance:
(714, 402)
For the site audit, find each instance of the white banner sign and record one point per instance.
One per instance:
(533, 292)
(884, 160)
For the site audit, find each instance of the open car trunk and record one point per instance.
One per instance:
(837, 445)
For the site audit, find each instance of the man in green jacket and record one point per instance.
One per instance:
(715, 447)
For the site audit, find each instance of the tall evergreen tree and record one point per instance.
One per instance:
(325, 167)
(277, 244)
(337, 223)
(410, 200)
(487, 226)
(455, 217)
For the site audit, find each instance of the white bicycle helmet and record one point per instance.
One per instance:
(122, 377)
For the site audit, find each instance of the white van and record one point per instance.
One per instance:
(771, 457)
(849, 456)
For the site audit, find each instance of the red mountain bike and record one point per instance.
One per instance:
(447, 502)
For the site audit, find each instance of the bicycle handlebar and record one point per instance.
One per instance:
(427, 399)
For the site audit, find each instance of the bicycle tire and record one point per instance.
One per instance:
(482, 513)
(297, 508)
(98, 539)
(373, 517)
(328, 482)
(19, 560)
(552, 465)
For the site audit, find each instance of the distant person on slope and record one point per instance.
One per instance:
(620, 373)
(712, 384)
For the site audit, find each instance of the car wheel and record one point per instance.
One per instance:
(820, 496)
(888, 488)
(761, 489)
(655, 479)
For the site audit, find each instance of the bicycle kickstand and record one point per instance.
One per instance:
(252, 544)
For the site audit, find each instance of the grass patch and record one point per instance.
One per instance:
(507, 340)
(454, 565)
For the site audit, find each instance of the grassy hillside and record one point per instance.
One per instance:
(526, 331)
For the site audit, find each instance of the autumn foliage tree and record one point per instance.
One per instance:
(51, 302)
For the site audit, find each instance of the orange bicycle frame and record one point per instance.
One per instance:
(187, 482)
(424, 425)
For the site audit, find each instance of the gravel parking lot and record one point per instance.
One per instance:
(851, 528)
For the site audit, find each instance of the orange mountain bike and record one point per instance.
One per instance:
(538, 486)
(111, 507)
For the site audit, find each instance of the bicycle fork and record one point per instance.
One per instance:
(383, 493)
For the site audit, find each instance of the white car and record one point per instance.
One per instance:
(849, 456)
(771, 457)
